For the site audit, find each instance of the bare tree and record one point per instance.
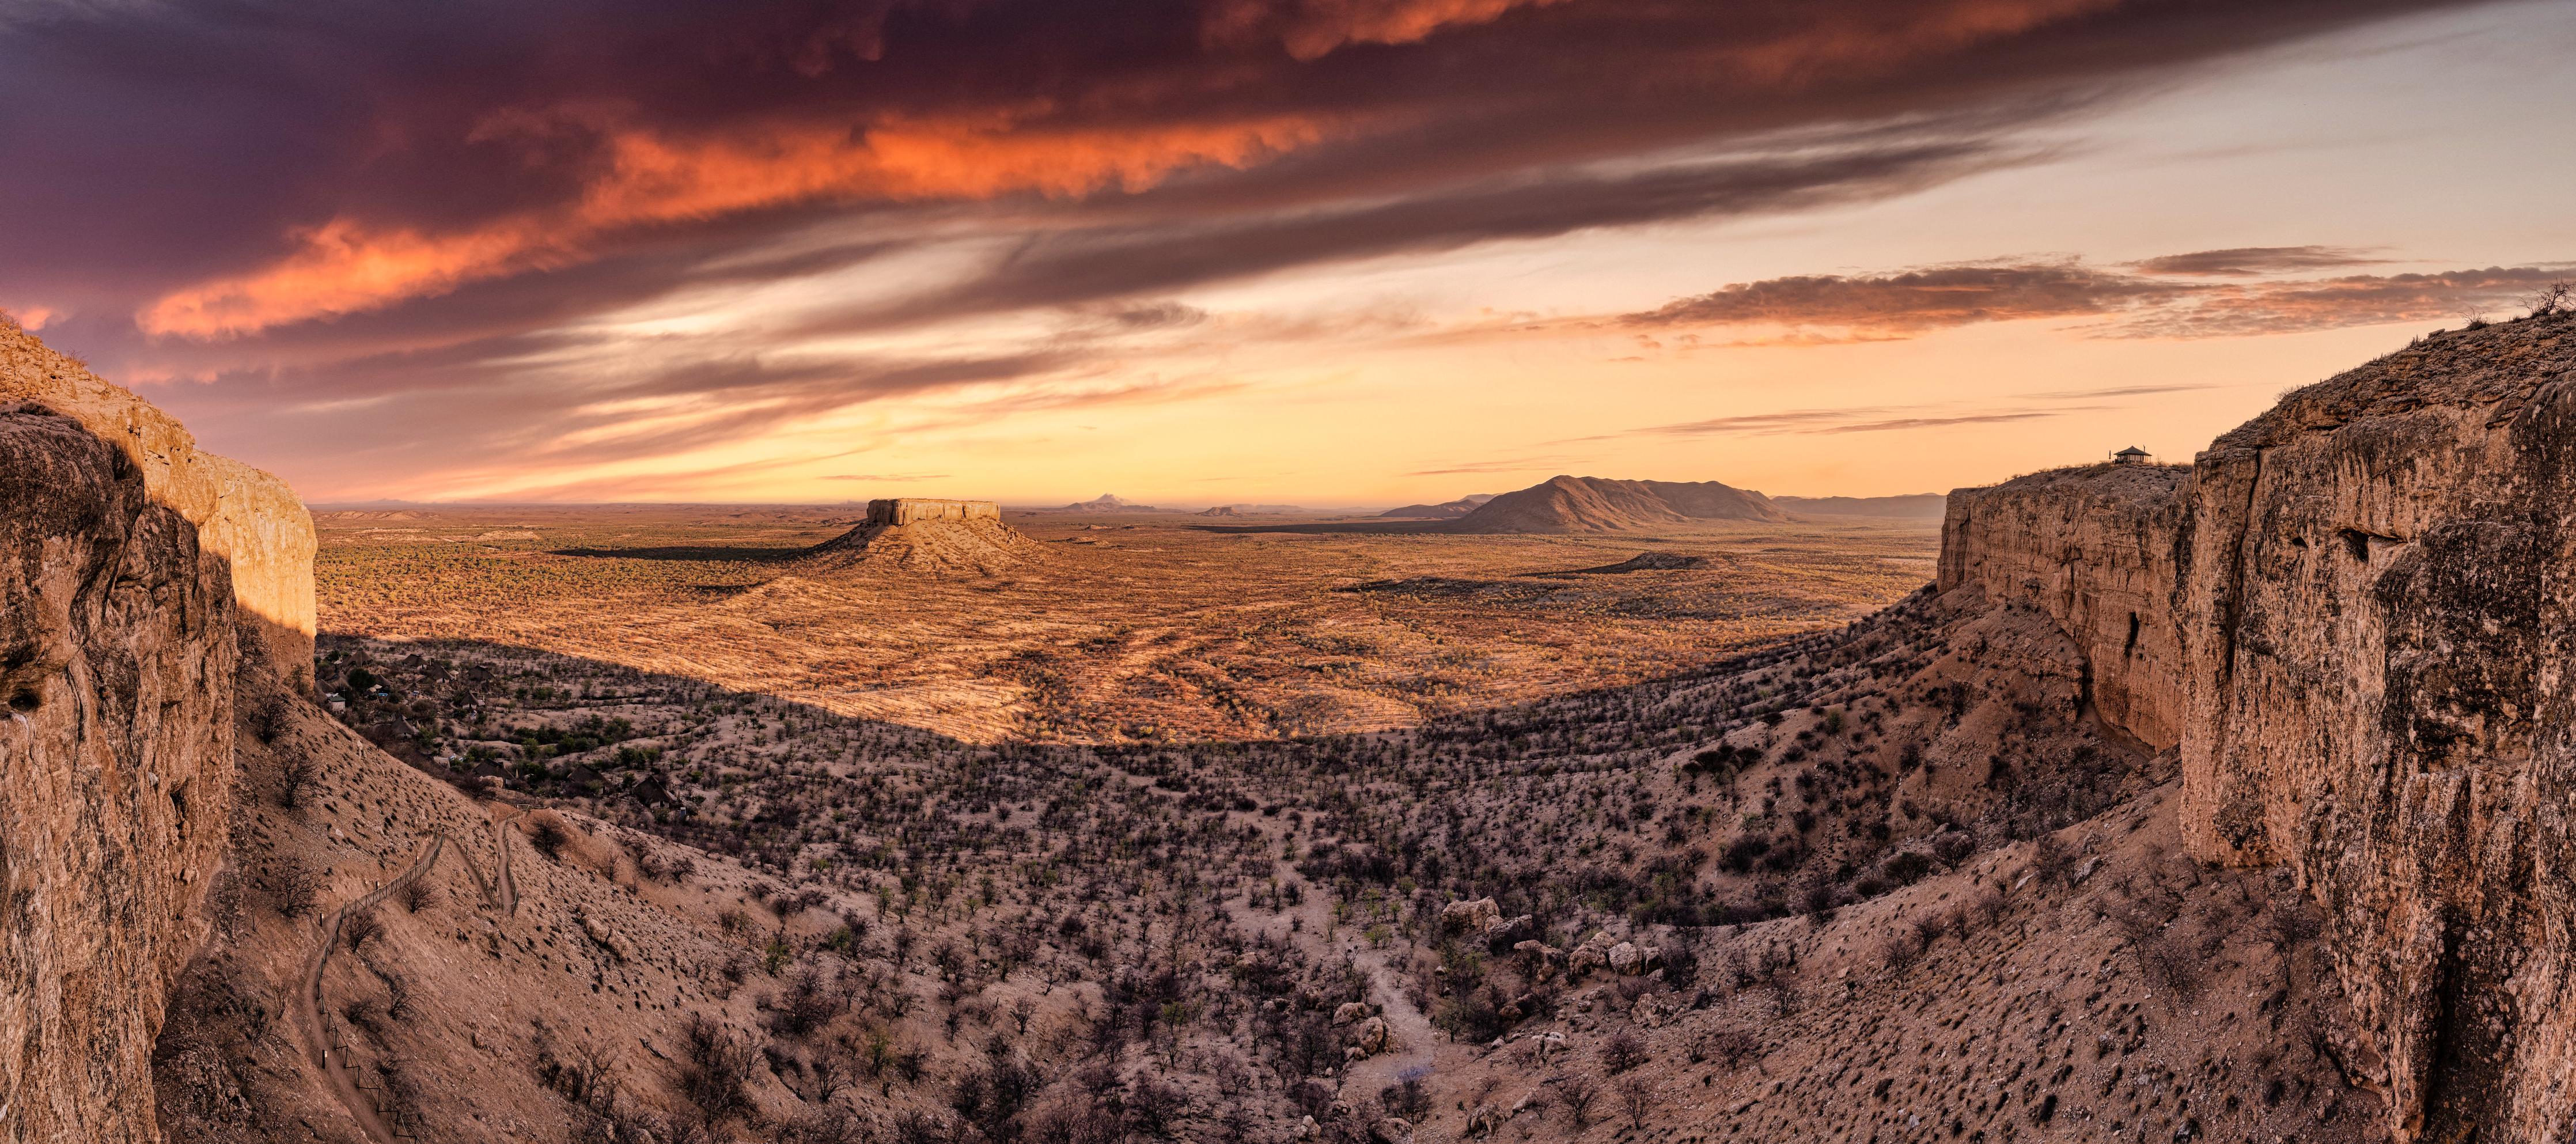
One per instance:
(295, 774)
(1637, 1098)
(2553, 298)
(1578, 1093)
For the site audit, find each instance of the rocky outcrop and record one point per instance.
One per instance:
(2098, 549)
(117, 664)
(2371, 591)
(248, 517)
(913, 510)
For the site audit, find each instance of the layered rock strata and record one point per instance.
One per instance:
(913, 510)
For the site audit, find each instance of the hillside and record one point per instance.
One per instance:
(1595, 504)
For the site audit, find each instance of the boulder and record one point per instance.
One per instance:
(1350, 1011)
(1592, 954)
(1471, 917)
(1656, 1010)
(1372, 1037)
(1628, 959)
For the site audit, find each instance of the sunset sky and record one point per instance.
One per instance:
(1330, 252)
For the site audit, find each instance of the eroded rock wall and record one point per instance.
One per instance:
(2098, 549)
(2382, 611)
(249, 517)
(117, 665)
(2365, 653)
(912, 510)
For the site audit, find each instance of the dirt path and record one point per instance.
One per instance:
(311, 1012)
(1414, 1037)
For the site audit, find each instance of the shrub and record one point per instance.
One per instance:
(1623, 1051)
(715, 1066)
(362, 927)
(548, 835)
(292, 886)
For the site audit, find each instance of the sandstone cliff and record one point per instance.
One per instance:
(143, 583)
(2096, 548)
(117, 659)
(913, 510)
(248, 517)
(2363, 601)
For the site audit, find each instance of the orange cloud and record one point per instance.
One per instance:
(30, 317)
(1864, 41)
(347, 266)
(1323, 25)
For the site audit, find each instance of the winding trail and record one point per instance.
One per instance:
(310, 1010)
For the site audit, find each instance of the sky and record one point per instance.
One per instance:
(1192, 252)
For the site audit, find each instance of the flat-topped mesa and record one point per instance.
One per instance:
(2354, 617)
(926, 535)
(913, 510)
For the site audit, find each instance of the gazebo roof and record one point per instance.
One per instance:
(2133, 451)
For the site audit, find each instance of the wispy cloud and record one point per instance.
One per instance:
(1834, 309)
(2244, 261)
(1523, 464)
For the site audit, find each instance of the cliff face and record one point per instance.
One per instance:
(248, 517)
(913, 510)
(142, 582)
(2098, 550)
(2374, 589)
(117, 659)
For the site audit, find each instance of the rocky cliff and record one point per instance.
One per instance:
(249, 518)
(913, 510)
(2365, 600)
(117, 657)
(143, 584)
(2098, 549)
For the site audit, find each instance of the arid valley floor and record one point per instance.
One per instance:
(1118, 628)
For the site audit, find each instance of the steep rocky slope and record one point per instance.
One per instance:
(2366, 618)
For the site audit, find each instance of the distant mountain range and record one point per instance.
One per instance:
(1253, 510)
(1932, 505)
(1449, 510)
(1106, 502)
(1599, 504)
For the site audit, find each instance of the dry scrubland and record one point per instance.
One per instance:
(1125, 628)
(1884, 882)
(1881, 881)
